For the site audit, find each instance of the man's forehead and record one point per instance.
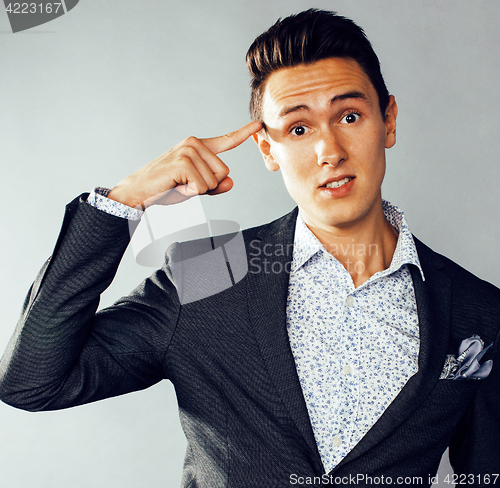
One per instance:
(331, 80)
(287, 109)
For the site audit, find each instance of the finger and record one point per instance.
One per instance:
(195, 185)
(233, 139)
(191, 189)
(186, 177)
(205, 157)
(211, 169)
(196, 177)
(224, 186)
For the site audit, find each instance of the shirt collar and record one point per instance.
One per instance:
(307, 245)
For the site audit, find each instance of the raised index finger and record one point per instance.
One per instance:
(233, 139)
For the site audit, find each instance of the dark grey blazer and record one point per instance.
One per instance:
(228, 356)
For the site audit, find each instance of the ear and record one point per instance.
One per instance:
(261, 138)
(391, 113)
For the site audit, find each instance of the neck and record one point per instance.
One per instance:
(364, 248)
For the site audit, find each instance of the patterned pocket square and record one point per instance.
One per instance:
(466, 365)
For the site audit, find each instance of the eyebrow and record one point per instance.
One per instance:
(336, 98)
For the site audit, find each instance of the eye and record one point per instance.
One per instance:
(299, 130)
(350, 118)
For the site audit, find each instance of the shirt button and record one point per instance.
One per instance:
(349, 301)
(347, 369)
(337, 441)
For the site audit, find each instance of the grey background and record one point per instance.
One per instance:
(95, 94)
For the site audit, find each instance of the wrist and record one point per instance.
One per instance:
(119, 195)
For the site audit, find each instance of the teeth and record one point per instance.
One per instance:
(337, 184)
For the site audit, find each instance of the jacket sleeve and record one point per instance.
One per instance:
(62, 352)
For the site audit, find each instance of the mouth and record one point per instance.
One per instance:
(339, 183)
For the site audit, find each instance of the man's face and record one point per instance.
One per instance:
(327, 135)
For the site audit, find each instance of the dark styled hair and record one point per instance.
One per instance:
(305, 38)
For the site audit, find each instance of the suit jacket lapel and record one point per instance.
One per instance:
(270, 257)
(433, 297)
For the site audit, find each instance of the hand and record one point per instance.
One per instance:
(190, 168)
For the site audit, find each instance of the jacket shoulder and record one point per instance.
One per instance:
(284, 226)
(468, 284)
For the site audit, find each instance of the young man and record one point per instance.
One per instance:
(349, 353)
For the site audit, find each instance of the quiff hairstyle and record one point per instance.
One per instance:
(305, 38)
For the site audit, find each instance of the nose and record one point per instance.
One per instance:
(330, 150)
